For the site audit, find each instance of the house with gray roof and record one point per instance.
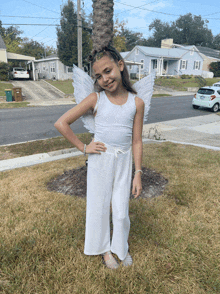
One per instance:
(209, 55)
(166, 61)
(51, 68)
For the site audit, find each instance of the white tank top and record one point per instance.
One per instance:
(114, 123)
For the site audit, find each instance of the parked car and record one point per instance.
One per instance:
(19, 73)
(207, 97)
(216, 84)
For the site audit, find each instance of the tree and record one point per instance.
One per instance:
(11, 37)
(67, 36)
(192, 30)
(215, 68)
(216, 43)
(35, 49)
(2, 30)
(124, 39)
(102, 23)
(119, 41)
(188, 29)
(132, 38)
(161, 30)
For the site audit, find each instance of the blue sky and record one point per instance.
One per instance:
(137, 19)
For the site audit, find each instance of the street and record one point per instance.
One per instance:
(34, 123)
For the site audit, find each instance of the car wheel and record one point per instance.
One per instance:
(195, 106)
(215, 107)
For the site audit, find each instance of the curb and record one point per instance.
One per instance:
(30, 160)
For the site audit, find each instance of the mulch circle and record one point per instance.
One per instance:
(73, 182)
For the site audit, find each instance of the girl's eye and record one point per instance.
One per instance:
(98, 78)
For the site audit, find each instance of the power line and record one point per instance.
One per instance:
(30, 24)
(135, 7)
(30, 17)
(151, 10)
(148, 9)
(211, 13)
(41, 7)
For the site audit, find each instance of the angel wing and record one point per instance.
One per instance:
(144, 89)
(83, 86)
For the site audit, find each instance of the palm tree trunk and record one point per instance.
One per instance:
(102, 23)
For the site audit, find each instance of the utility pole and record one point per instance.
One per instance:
(79, 33)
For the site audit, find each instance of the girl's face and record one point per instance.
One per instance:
(108, 73)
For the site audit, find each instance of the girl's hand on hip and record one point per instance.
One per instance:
(95, 147)
(137, 186)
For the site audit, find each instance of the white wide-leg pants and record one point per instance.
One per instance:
(108, 180)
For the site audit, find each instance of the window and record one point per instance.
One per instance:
(206, 91)
(130, 66)
(69, 69)
(136, 51)
(44, 67)
(52, 67)
(142, 61)
(154, 62)
(196, 65)
(183, 64)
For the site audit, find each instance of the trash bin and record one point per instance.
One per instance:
(17, 94)
(8, 93)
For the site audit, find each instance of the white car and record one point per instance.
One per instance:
(216, 84)
(19, 73)
(208, 97)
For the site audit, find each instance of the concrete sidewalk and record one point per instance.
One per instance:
(201, 131)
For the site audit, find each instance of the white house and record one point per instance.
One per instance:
(51, 67)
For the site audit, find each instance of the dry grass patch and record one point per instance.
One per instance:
(40, 146)
(174, 239)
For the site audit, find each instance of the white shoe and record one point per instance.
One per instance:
(128, 260)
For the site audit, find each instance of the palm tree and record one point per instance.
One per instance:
(102, 23)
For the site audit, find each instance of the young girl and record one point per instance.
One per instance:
(118, 128)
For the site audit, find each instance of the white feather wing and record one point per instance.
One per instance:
(83, 86)
(144, 89)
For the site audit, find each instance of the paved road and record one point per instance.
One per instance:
(34, 123)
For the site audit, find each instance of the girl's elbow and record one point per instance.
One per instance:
(58, 125)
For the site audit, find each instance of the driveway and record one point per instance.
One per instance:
(41, 93)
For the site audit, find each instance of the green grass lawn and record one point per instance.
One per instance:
(65, 86)
(182, 84)
(3, 86)
(174, 238)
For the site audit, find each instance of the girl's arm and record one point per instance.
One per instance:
(137, 145)
(64, 122)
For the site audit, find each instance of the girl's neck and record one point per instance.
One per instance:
(120, 93)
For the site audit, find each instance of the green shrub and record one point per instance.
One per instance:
(4, 71)
(186, 76)
(215, 68)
